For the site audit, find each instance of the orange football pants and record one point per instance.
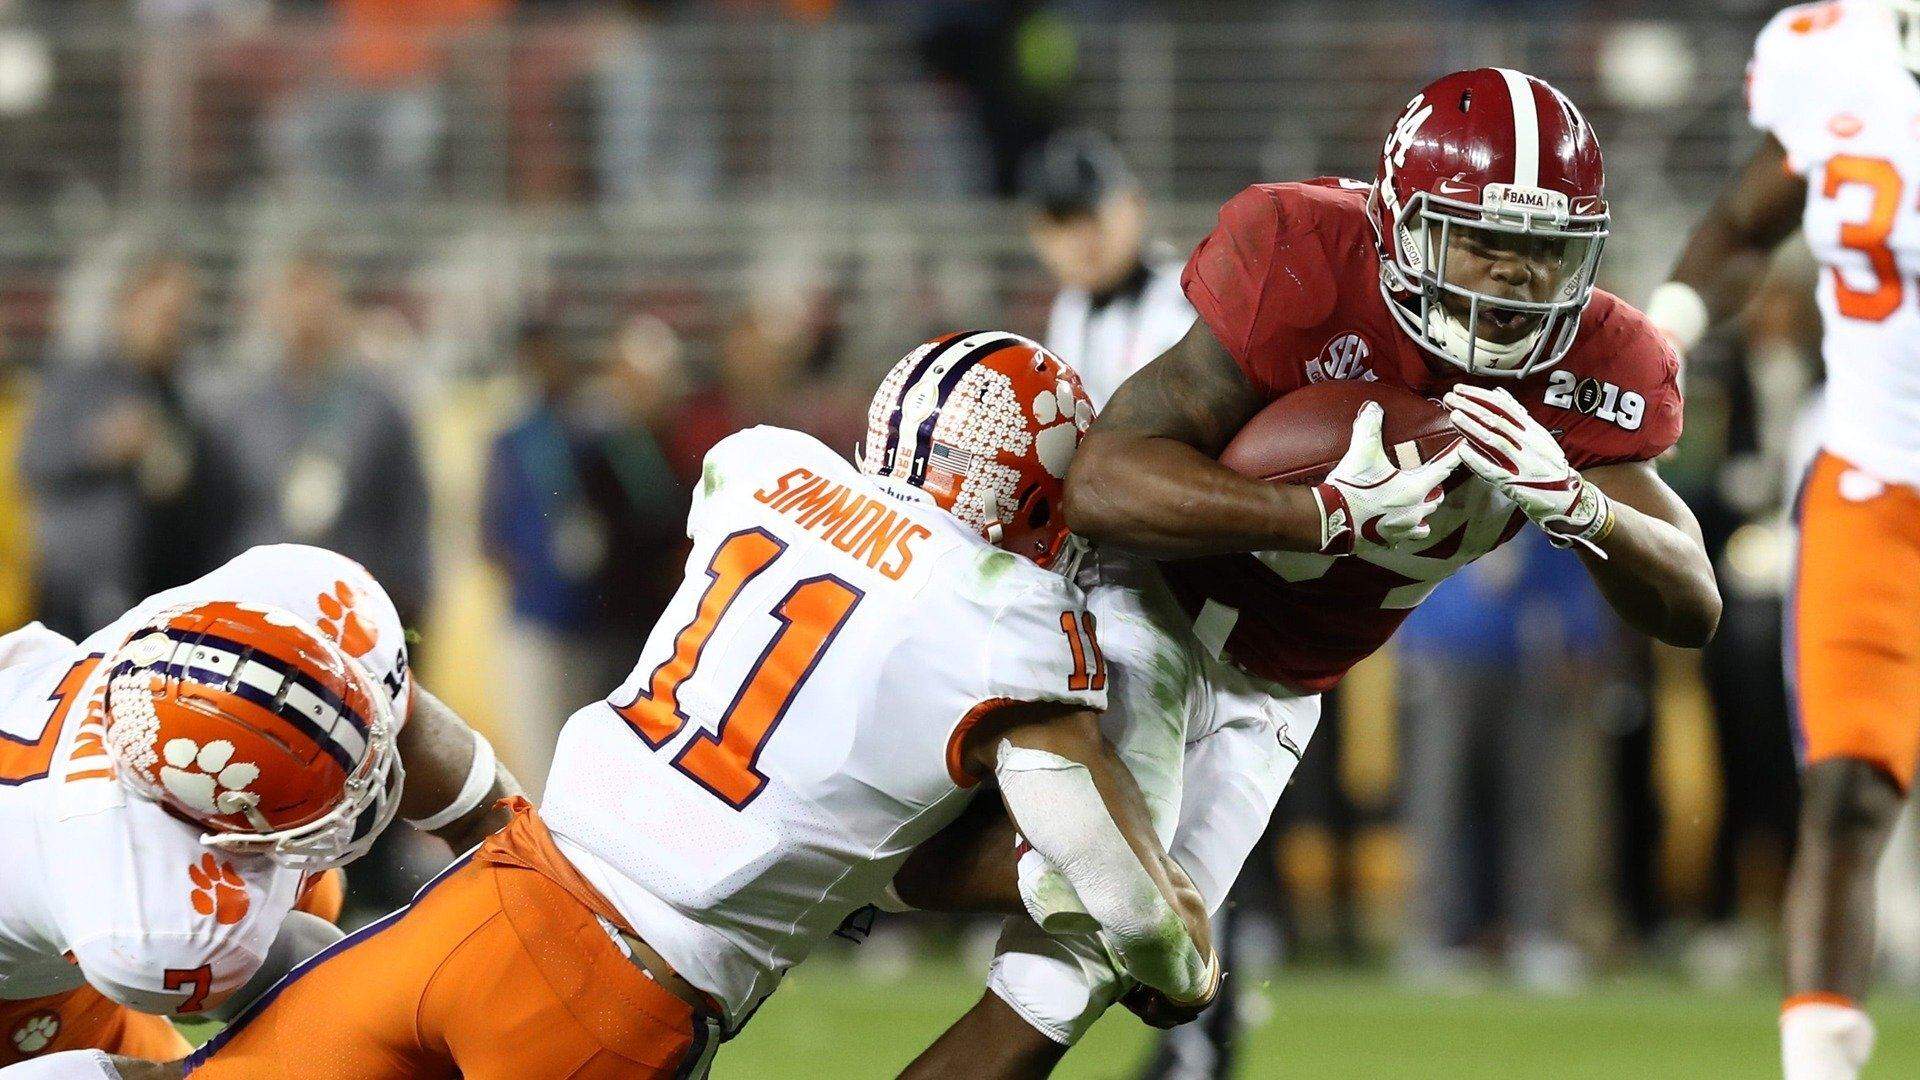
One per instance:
(84, 1019)
(1854, 632)
(496, 970)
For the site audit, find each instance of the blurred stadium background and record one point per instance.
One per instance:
(465, 287)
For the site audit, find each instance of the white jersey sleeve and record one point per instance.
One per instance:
(329, 590)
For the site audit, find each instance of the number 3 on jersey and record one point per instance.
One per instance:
(1868, 237)
(811, 613)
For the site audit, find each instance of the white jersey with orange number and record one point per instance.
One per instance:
(1828, 82)
(104, 887)
(789, 733)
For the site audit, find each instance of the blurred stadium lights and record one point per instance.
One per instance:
(832, 136)
(1646, 65)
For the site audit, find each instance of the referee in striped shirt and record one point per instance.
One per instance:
(1119, 306)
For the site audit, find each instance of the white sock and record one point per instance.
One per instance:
(1821, 1040)
(67, 1065)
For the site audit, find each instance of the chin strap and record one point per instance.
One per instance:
(1460, 342)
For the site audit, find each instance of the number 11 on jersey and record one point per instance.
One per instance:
(811, 613)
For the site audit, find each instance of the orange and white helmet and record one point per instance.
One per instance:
(246, 720)
(984, 424)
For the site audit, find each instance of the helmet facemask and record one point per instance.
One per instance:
(1430, 230)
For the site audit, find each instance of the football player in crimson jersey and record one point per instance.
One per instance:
(1833, 86)
(1464, 272)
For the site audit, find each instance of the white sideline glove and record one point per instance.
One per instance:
(1510, 450)
(1368, 499)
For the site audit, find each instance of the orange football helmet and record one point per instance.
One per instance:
(249, 722)
(984, 424)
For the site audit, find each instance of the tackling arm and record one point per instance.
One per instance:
(301, 935)
(1079, 807)
(1726, 256)
(1652, 566)
(454, 782)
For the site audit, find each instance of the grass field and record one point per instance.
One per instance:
(831, 1020)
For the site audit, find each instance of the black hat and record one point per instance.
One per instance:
(1074, 173)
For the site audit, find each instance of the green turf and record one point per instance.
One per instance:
(828, 1020)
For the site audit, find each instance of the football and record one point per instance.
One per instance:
(1299, 438)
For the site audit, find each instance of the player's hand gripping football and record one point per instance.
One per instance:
(1368, 499)
(1510, 450)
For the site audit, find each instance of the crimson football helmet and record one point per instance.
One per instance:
(1499, 165)
(249, 722)
(983, 425)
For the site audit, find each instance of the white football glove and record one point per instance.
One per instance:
(1369, 500)
(1510, 450)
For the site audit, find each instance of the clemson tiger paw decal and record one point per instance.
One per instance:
(207, 778)
(36, 1032)
(1063, 418)
(218, 890)
(339, 621)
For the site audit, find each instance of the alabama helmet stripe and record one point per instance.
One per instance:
(1526, 128)
(923, 435)
(885, 463)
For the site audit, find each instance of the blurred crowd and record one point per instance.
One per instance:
(1518, 788)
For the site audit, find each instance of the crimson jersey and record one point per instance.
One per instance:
(1289, 282)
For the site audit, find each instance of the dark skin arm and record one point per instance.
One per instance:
(967, 866)
(1727, 255)
(436, 748)
(1074, 733)
(1145, 478)
(990, 1041)
(1656, 574)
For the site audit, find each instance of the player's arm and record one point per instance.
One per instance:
(301, 935)
(454, 781)
(1074, 801)
(1638, 539)
(1726, 256)
(1653, 566)
(1145, 477)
